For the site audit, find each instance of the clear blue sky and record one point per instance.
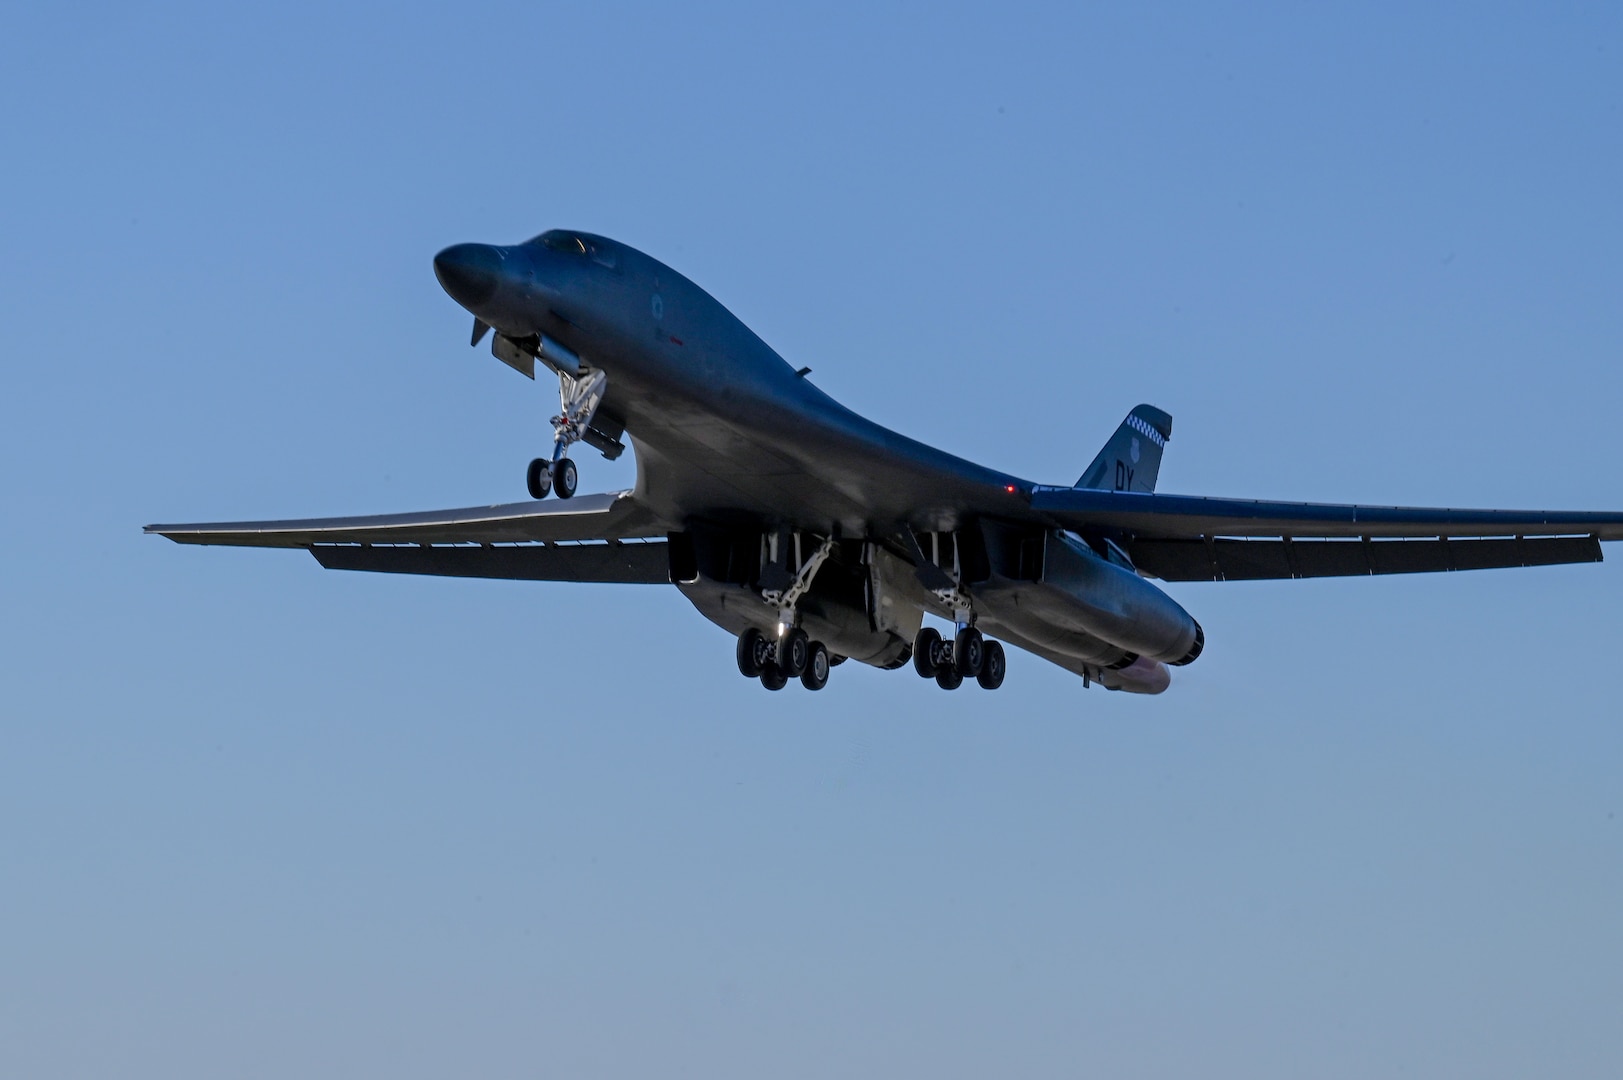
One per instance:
(262, 820)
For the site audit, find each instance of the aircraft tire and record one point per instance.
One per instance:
(815, 677)
(751, 648)
(538, 479)
(968, 652)
(564, 477)
(925, 647)
(794, 650)
(993, 667)
(773, 679)
(947, 677)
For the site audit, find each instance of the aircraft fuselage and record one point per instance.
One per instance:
(692, 383)
(816, 535)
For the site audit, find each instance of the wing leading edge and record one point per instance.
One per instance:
(582, 539)
(1192, 538)
(612, 516)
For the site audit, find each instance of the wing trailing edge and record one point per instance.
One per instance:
(1227, 559)
(614, 562)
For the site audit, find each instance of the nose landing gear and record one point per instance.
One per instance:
(579, 395)
(539, 478)
(545, 477)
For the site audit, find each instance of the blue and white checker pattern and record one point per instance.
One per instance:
(1144, 428)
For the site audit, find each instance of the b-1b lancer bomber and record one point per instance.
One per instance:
(816, 536)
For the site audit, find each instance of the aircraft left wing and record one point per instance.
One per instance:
(601, 538)
(1192, 538)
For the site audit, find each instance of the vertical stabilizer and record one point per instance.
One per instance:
(1131, 460)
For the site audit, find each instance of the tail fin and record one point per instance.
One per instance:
(1131, 459)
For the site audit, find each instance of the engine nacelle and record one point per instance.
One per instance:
(1054, 589)
(852, 606)
(1115, 604)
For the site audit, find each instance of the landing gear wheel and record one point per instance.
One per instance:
(968, 652)
(947, 677)
(815, 677)
(773, 679)
(753, 649)
(539, 478)
(564, 477)
(925, 648)
(993, 667)
(794, 650)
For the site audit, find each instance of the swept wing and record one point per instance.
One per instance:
(1193, 538)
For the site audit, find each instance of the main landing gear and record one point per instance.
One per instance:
(792, 655)
(967, 656)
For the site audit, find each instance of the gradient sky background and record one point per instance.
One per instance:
(263, 820)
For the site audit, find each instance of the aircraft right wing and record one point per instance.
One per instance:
(1191, 538)
(604, 538)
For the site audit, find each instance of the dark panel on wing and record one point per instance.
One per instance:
(631, 564)
(1191, 517)
(612, 516)
(1226, 559)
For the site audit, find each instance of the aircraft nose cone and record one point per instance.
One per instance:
(469, 272)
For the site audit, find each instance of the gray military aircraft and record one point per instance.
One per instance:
(816, 536)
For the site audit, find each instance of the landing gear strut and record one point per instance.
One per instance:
(579, 396)
(792, 654)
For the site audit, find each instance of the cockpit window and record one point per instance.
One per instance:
(569, 243)
(559, 240)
